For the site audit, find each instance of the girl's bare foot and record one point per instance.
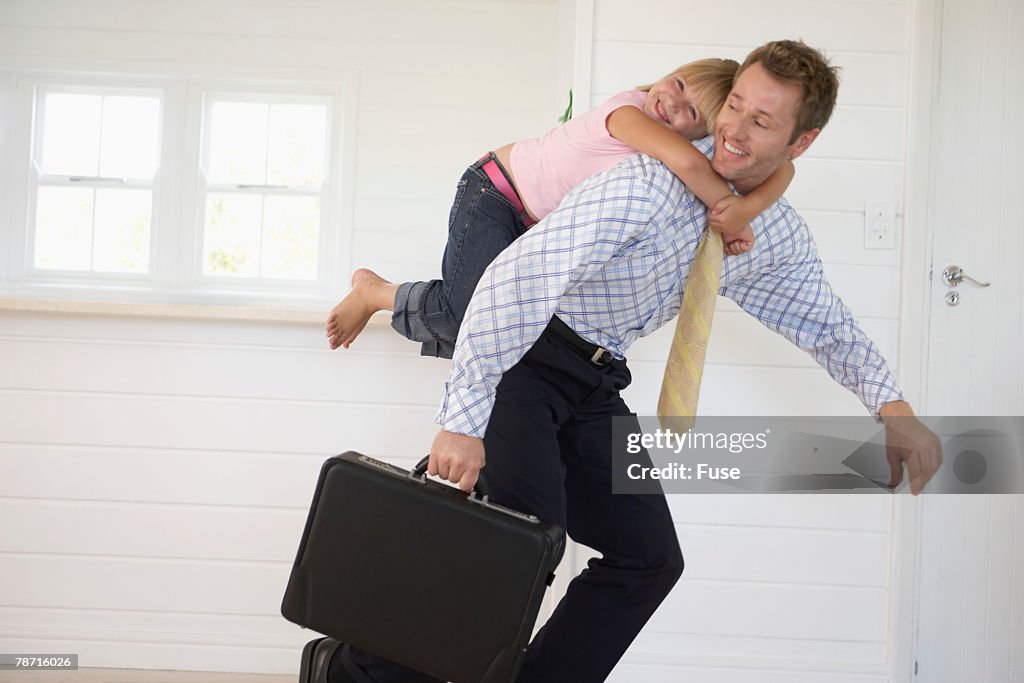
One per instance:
(370, 293)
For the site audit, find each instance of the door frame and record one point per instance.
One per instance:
(917, 282)
(919, 177)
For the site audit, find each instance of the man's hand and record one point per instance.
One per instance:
(457, 458)
(907, 440)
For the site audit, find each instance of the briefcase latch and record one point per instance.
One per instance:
(485, 501)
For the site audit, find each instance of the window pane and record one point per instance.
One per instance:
(71, 134)
(290, 229)
(238, 143)
(122, 231)
(231, 242)
(130, 137)
(63, 228)
(296, 142)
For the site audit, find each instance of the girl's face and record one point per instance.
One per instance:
(671, 103)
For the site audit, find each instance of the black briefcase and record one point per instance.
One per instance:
(420, 573)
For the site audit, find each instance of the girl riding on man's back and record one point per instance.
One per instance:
(503, 194)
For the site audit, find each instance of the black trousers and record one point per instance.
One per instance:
(549, 452)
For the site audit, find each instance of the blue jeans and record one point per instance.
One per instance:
(482, 223)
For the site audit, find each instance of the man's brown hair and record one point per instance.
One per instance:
(797, 62)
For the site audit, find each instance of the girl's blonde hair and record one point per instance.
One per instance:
(711, 80)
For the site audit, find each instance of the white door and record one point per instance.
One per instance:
(971, 571)
(975, 361)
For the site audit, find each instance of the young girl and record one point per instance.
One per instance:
(503, 194)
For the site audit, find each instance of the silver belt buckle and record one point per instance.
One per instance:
(596, 358)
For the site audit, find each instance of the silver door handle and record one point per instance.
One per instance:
(954, 275)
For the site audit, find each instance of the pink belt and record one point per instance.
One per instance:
(495, 172)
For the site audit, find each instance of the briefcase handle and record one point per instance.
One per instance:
(480, 490)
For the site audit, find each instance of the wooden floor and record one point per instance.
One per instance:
(136, 676)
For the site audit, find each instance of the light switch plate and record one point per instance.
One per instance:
(879, 225)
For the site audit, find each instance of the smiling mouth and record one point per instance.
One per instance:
(734, 150)
(660, 109)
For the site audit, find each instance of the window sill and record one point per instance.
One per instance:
(177, 311)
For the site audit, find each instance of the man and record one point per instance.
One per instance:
(537, 393)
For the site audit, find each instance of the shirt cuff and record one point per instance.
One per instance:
(465, 410)
(885, 395)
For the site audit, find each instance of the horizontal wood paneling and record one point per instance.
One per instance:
(843, 513)
(221, 372)
(840, 240)
(142, 626)
(212, 423)
(834, 24)
(737, 651)
(776, 611)
(139, 639)
(315, 19)
(143, 530)
(147, 474)
(111, 675)
(442, 120)
(810, 557)
(131, 654)
(211, 587)
(844, 185)
(637, 669)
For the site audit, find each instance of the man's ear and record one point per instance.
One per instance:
(803, 142)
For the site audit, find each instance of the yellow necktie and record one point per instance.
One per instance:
(680, 387)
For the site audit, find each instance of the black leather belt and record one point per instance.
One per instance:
(592, 352)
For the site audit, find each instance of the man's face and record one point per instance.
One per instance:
(754, 128)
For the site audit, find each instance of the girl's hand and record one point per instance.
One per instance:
(729, 218)
(741, 243)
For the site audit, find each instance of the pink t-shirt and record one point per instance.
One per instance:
(546, 168)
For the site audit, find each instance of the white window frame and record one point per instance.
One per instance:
(175, 274)
(202, 96)
(37, 179)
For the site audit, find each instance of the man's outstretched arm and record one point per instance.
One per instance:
(797, 301)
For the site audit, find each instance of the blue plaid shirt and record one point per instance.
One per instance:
(611, 262)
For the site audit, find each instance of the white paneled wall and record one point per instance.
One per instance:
(155, 473)
(787, 588)
(154, 478)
